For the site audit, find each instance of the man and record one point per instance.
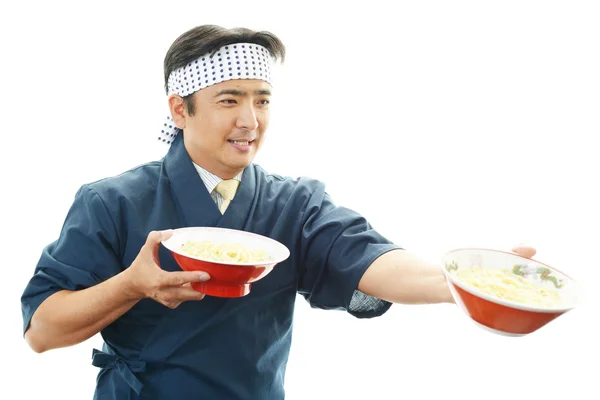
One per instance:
(108, 273)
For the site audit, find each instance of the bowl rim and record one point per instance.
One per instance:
(509, 303)
(277, 243)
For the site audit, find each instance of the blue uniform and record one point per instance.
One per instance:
(215, 348)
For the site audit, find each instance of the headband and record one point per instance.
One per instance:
(234, 61)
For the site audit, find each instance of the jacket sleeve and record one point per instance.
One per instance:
(85, 254)
(337, 245)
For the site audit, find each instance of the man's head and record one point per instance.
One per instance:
(219, 93)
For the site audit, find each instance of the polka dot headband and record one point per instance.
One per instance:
(234, 61)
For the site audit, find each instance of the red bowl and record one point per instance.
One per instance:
(226, 279)
(504, 316)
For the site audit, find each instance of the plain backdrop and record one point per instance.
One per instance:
(445, 123)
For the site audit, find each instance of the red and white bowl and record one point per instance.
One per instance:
(226, 279)
(501, 316)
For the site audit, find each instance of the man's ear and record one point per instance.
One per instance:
(178, 111)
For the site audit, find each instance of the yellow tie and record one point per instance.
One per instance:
(227, 190)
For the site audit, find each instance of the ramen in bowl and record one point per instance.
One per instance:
(234, 259)
(506, 293)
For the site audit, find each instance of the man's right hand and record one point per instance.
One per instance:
(69, 317)
(146, 279)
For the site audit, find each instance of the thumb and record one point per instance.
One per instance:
(153, 242)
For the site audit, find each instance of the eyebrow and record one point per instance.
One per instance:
(236, 92)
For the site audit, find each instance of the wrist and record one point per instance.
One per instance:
(128, 287)
(445, 293)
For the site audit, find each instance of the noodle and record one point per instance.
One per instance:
(506, 285)
(224, 252)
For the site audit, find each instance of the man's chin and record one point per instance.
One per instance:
(239, 165)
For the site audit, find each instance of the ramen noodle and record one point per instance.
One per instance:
(505, 285)
(235, 253)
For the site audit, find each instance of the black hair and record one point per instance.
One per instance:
(205, 39)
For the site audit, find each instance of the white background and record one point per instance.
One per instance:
(475, 121)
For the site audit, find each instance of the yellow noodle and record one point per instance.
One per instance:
(224, 252)
(505, 285)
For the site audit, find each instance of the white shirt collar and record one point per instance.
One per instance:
(211, 180)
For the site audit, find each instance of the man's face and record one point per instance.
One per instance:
(228, 125)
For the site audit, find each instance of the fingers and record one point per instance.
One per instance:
(173, 297)
(168, 288)
(185, 294)
(181, 278)
(525, 251)
(175, 287)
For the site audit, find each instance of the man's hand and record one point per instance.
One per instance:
(524, 251)
(148, 280)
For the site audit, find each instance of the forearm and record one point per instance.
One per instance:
(401, 277)
(70, 317)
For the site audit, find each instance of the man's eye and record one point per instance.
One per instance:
(228, 101)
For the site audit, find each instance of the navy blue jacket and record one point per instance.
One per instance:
(215, 348)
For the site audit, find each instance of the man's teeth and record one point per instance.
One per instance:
(240, 143)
